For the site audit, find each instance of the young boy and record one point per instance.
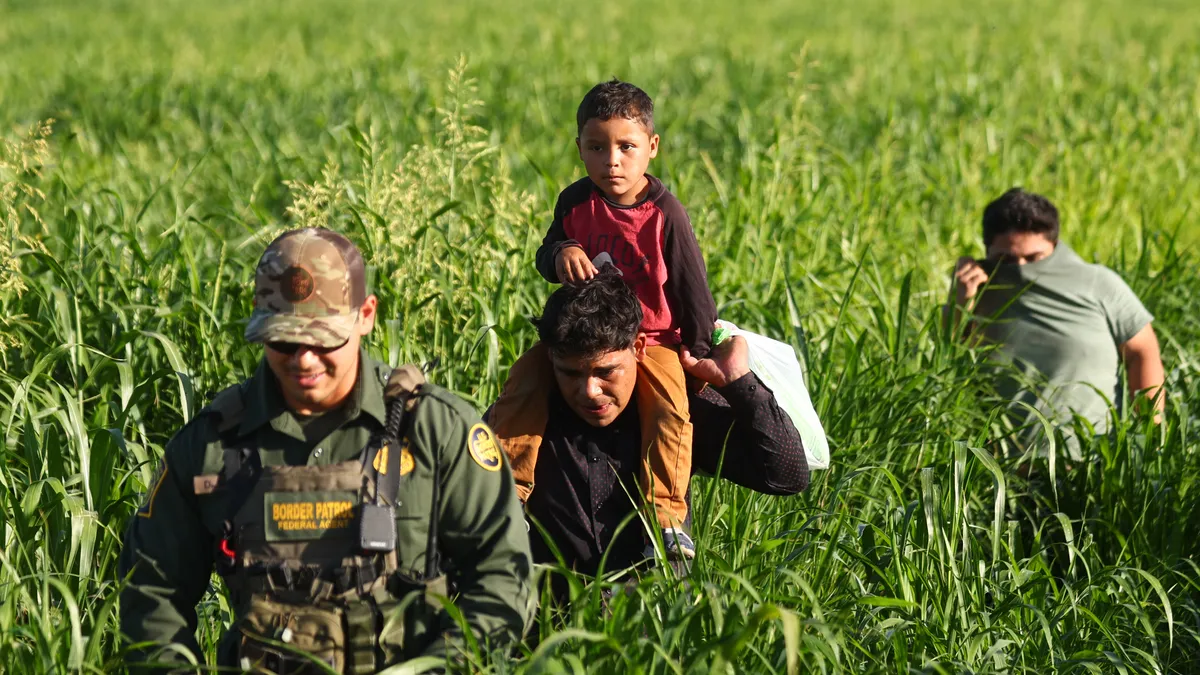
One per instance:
(621, 210)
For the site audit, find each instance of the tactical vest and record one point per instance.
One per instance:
(307, 558)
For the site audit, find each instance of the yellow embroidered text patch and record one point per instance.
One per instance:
(292, 516)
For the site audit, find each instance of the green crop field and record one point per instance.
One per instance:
(835, 158)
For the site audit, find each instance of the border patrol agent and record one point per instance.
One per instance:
(325, 490)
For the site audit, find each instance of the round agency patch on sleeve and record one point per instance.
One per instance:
(481, 442)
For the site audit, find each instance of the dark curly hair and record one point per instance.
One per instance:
(1019, 211)
(616, 99)
(597, 317)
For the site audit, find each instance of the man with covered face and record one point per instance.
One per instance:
(1065, 326)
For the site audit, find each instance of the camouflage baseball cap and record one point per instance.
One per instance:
(308, 288)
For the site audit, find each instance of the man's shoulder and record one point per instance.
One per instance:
(1098, 282)
(225, 411)
(1121, 304)
(441, 408)
(435, 404)
(1105, 279)
(188, 449)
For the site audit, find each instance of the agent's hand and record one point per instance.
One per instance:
(726, 362)
(969, 275)
(573, 266)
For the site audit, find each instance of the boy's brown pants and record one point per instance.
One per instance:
(520, 416)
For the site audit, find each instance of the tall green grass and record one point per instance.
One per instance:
(834, 159)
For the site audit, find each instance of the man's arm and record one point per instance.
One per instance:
(687, 291)
(483, 532)
(166, 556)
(1129, 322)
(1143, 366)
(742, 421)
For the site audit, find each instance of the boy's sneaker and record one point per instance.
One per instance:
(678, 544)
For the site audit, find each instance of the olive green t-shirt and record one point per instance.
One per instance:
(1060, 322)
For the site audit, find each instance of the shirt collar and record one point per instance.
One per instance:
(1061, 253)
(369, 399)
(265, 405)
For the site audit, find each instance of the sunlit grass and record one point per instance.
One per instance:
(834, 159)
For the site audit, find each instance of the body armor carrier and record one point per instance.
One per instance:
(308, 554)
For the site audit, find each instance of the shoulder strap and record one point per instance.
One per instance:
(403, 392)
(241, 471)
(241, 465)
(229, 406)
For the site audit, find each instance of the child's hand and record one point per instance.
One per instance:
(573, 266)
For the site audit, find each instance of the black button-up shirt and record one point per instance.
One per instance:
(587, 477)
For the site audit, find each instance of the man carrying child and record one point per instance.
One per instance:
(621, 210)
(588, 466)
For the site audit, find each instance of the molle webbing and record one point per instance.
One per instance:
(295, 534)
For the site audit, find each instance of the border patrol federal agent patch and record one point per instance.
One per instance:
(481, 442)
(305, 516)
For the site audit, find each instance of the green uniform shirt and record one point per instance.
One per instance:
(1061, 321)
(169, 547)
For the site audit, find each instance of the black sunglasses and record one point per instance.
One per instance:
(290, 348)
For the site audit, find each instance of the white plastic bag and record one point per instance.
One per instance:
(775, 363)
